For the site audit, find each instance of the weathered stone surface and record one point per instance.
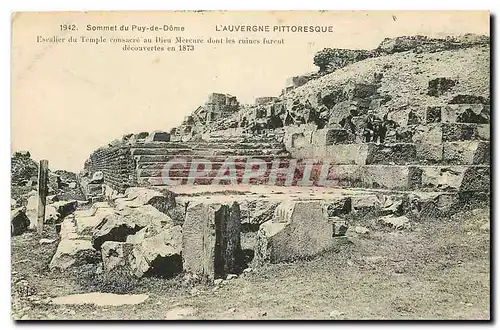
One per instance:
(364, 204)
(97, 177)
(433, 205)
(437, 133)
(19, 222)
(385, 177)
(32, 210)
(117, 226)
(429, 152)
(255, 212)
(466, 152)
(157, 253)
(338, 207)
(401, 222)
(68, 229)
(339, 227)
(343, 154)
(361, 230)
(300, 229)
(86, 223)
(329, 136)
(395, 153)
(65, 207)
(51, 213)
(72, 252)
(453, 178)
(52, 199)
(211, 239)
(459, 113)
(158, 136)
(440, 86)
(163, 201)
(117, 258)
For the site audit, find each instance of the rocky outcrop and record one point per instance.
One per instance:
(331, 59)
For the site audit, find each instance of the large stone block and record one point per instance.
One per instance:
(147, 253)
(157, 253)
(158, 136)
(459, 113)
(300, 229)
(329, 136)
(254, 212)
(385, 177)
(466, 152)
(437, 133)
(117, 260)
(162, 200)
(73, 252)
(433, 205)
(344, 154)
(65, 208)
(450, 178)
(391, 153)
(429, 152)
(211, 239)
(117, 226)
(19, 222)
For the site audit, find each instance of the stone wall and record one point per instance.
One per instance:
(117, 165)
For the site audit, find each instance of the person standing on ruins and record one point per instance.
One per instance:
(348, 124)
(369, 126)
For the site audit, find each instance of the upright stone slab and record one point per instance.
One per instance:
(300, 229)
(211, 239)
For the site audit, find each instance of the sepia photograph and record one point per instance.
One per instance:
(250, 165)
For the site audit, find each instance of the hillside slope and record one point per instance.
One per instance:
(405, 78)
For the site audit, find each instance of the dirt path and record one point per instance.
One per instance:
(440, 269)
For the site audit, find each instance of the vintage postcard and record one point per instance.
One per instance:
(232, 165)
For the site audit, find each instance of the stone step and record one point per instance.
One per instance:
(445, 153)
(255, 201)
(394, 177)
(215, 165)
(445, 132)
(197, 145)
(150, 161)
(243, 138)
(206, 152)
(459, 113)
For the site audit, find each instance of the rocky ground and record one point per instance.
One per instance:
(436, 269)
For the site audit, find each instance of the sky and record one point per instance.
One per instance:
(70, 99)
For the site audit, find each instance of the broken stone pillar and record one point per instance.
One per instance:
(211, 239)
(300, 229)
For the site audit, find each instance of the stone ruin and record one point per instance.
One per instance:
(150, 220)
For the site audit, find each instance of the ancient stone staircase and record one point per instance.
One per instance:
(211, 153)
(449, 150)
